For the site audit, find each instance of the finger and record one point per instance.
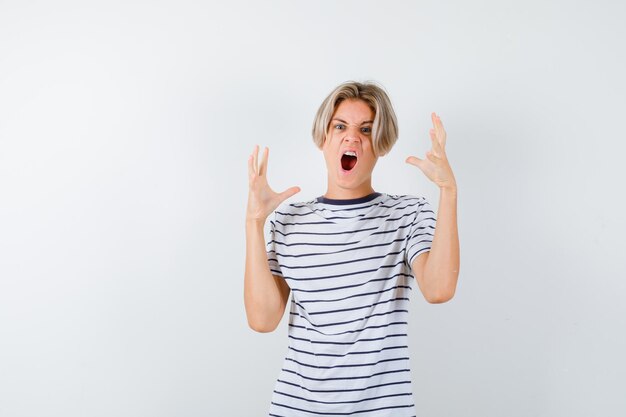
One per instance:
(437, 148)
(250, 168)
(441, 132)
(433, 139)
(255, 165)
(435, 125)
(414, 160)
(263, 162)
(289, 192)
(433, 142)
(437, 121)
(431, 157)
(433, 117)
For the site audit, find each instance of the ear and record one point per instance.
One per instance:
(321, 148)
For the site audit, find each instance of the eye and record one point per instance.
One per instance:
(337, 125)
(366, 130)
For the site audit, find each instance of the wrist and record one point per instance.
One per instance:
(255, 221)
(448, 189)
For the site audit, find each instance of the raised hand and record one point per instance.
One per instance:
(262, 200)
(436, 166)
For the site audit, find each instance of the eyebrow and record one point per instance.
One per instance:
(343, 121)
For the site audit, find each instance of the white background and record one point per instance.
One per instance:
(125, 129)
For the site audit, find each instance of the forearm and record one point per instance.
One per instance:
(262, 296)
(442, 267)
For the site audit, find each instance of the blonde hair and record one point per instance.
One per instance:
(385, 127)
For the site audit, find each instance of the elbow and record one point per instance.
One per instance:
(260, 320)
(444, 291)
(441, 297)
(261, 327)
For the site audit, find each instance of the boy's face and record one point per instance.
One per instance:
(350, 129)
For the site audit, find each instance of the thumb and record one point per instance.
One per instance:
(414, 160)
(288, 193)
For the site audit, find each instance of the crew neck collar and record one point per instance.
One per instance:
(358, 200)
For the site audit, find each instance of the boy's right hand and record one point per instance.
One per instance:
(262, 200)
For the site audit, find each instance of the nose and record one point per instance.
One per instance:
(353, 133)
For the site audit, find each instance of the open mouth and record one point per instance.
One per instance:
(348, 162)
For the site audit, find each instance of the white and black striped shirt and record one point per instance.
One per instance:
(347, 263)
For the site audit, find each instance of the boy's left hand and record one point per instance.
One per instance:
(436, 166)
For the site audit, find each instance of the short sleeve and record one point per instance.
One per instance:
(422, 230)
(272, 258)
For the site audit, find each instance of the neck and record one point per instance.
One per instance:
(336, 192)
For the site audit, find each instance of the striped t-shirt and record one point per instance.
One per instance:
(347, 263)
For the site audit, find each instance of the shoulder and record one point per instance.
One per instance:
(414, 205)
(293, 209)
(410, 200)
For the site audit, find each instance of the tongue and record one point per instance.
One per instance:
(348, 162)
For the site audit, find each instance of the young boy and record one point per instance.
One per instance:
(349, 258)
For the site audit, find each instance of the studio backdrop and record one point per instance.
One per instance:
(125, 129)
